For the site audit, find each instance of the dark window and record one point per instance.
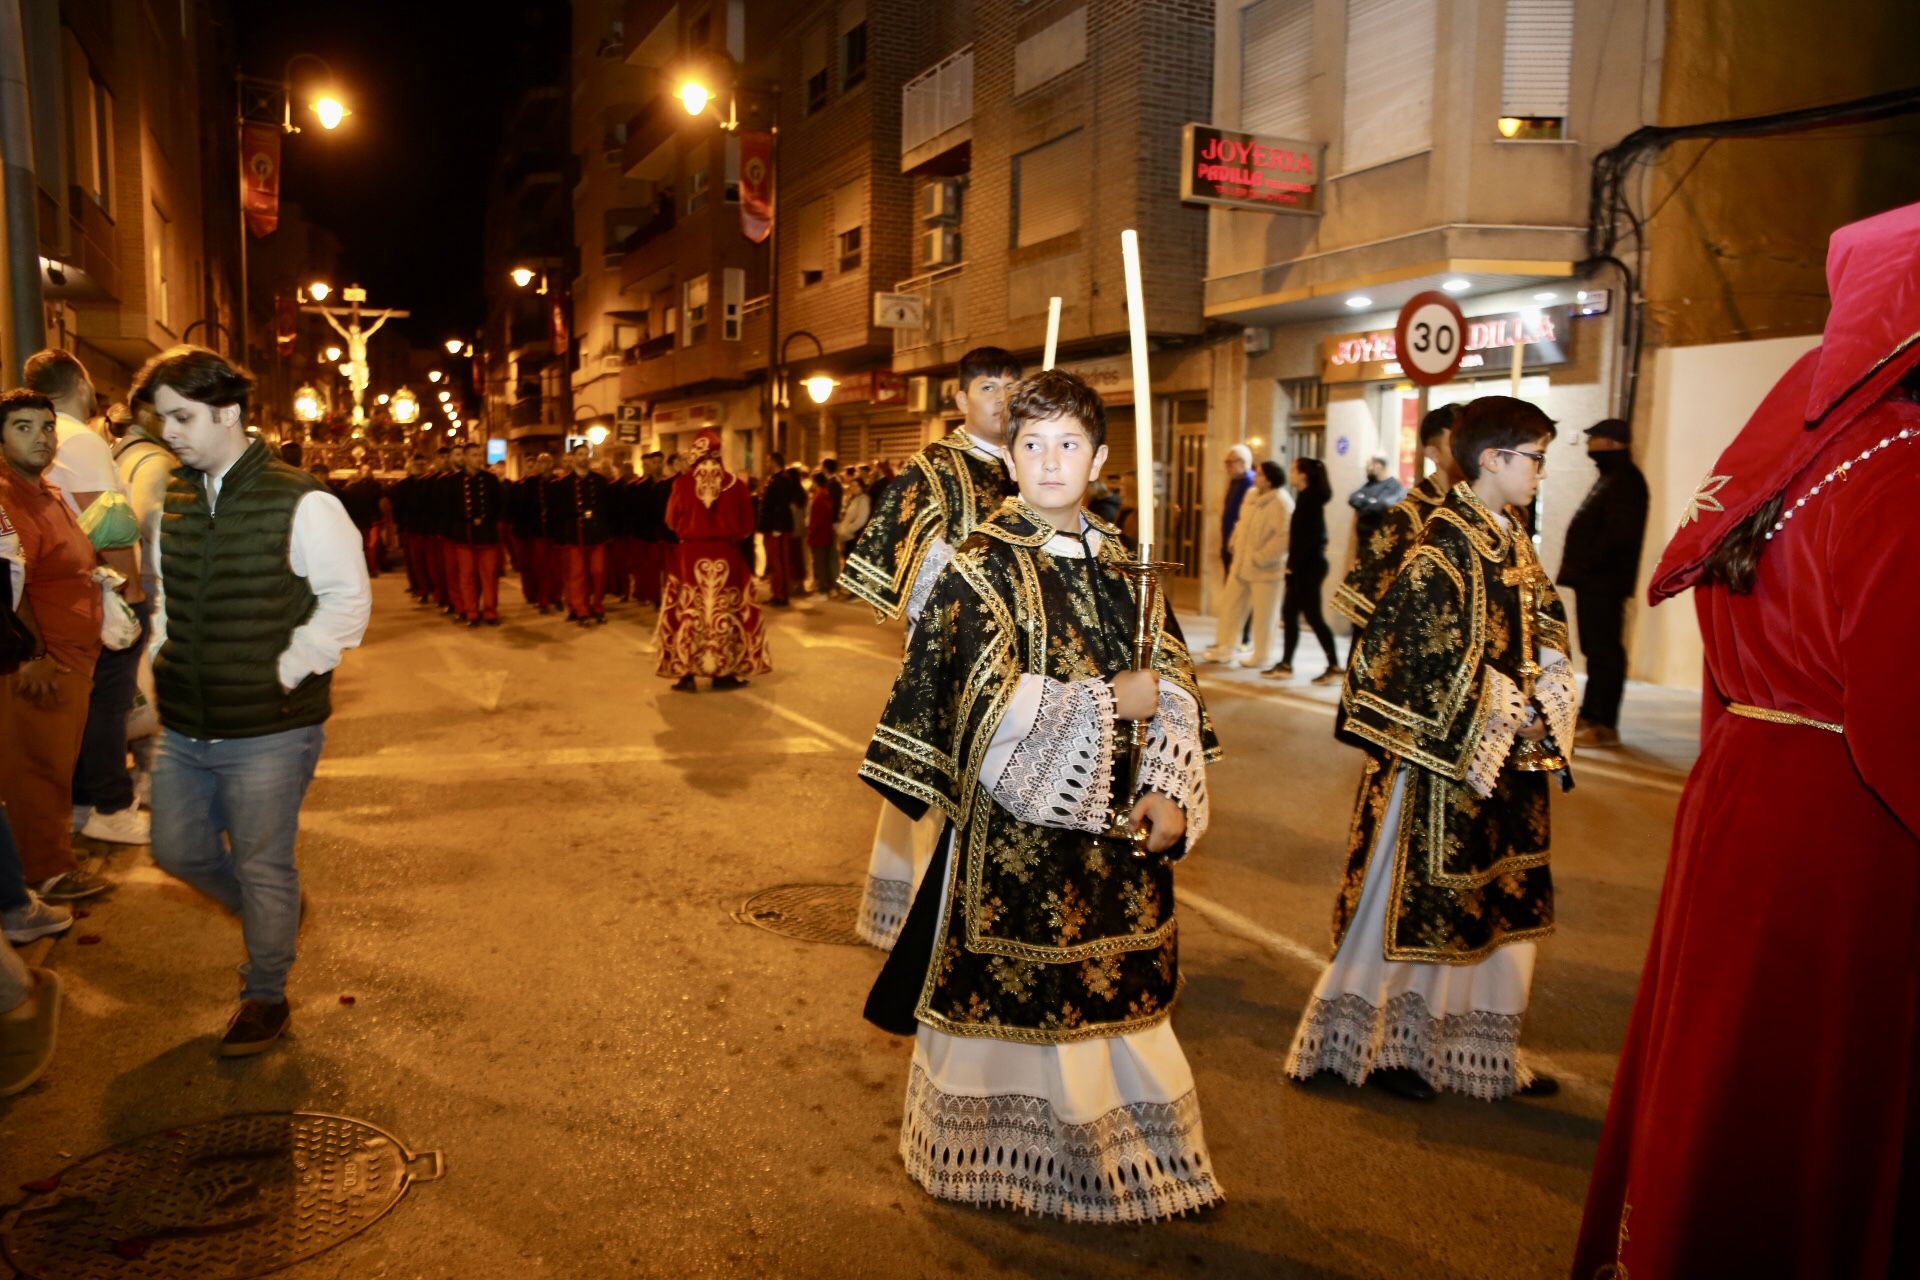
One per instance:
(850, 250)
(853, 56)
(816, 90)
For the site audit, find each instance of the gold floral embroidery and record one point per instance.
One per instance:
(1705, 499)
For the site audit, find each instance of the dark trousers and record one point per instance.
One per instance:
(100, 777)
(1602, 619)
(1302, 600)
(413, 548)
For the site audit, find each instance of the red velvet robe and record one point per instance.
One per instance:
(1764, 1118)
(709, 624)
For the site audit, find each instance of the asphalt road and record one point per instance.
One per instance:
(523, 854)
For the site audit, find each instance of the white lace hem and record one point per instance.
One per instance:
(1559, 696)
(1139, 1162)
(902, 850)
(1060, 771)
(1174, 762)
(1476, 1053)
(883, 912)
(1507, 714)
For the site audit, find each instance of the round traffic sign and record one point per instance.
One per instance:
(1429, 338)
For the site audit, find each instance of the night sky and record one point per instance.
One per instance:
(403, 182)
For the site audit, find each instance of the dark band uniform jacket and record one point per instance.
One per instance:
(1385, 549)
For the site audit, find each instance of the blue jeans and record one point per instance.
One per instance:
(100, 777)
(225, 817)
(13, 881)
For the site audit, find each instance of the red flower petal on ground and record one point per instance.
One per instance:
(346, 999)
(88, 939)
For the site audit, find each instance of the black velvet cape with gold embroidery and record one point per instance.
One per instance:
(940, 495)
(1468, 874)
(1048, 935)
(1383, 551)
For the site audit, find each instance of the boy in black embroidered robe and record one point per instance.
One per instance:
(929, 509)
(1457, 680)
(1039, 962)
(1382, 552)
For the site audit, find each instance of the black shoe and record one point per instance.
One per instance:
(781, 604)
(490, 622)
(729, 682)
(685, 685)
(1279, 671)
(254, 1027)
(1332, 675)
(1541, 1086)
(1402, 1082)
(473, 622)
(545, 609)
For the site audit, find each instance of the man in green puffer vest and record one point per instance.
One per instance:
(262, 587)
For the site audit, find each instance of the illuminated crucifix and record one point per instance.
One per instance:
(356, 338)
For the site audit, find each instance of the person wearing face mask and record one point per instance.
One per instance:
(1601, 564)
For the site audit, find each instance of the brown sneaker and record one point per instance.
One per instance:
(254, 1027)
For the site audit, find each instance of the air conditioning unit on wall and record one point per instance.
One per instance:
(940, 247)
(940, 201)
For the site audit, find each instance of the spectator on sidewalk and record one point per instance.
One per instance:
(83, 471)
(1259, 569)
(778, 497)
(1239, 484)
(855, 511)
(256, 609)
(820, 516)
(145, 465)
(1307, 571)
(43, 705)
(1600, 567)
(1372, 500)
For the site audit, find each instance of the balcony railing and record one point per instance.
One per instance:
(944, 298)
(651, 349)
(938, 99)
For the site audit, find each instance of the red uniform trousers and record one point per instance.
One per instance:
(779, 565)
(413, 549)
(620, 568)
(586, 580)
(436, 557)
(370, 543)
(476, 581)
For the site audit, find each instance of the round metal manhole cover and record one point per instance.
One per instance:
(809, 912)
(235, 1197)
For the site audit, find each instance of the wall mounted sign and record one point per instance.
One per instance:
(1247, 171)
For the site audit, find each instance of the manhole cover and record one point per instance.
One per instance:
(809, 912)
(240, 1196)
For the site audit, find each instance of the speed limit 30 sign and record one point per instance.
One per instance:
(1429, 338)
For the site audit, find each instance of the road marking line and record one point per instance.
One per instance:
(805, 722)
(1671, 784)
(1228, 920)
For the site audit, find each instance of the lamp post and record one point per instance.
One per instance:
(258, 95)
(524, 277)
(826, 384)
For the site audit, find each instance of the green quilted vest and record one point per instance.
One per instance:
(232, 602)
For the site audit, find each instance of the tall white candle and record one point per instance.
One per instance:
(1053, 331)
(1142, 385)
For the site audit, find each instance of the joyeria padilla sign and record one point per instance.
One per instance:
(1247, 171)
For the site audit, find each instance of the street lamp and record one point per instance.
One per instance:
(522, 276)
(306, 404)
(333, 354)
(382, 398)
(445, 396)
(820, 388)
(319, 290)
(694, 96)
(454, 345)
(330, 110)
(597, 434)
(404, 409)
(434, 376)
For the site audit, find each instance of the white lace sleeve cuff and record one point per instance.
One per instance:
(1507, 714)
(1174, 762)
(939, 555)
(1559, 697)
(1051, 759)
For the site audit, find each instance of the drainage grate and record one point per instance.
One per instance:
(809, 912)
(235, 1197)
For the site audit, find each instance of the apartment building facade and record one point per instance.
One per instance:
(134, 156)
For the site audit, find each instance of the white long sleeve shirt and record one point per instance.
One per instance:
(326, 550)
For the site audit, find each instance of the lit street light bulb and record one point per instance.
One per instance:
(382, 398)
(445, 396)
(434, 376)
(597, 434)
(454, 345)
(820, 388)
(331, 112)
(319, 290)
(333, 355)
(405, 408)
(306, 404)
(522, 276)
(694, 97)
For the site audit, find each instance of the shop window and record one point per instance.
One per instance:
(1537, 72)
(1305, 402)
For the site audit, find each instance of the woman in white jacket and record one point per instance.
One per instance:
(1259, 569)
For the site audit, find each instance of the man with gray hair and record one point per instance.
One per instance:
(1239, 485)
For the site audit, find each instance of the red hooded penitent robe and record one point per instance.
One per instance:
(709, 624)
(1764, 1118)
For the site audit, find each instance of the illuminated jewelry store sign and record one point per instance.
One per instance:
(1371, 356)
(1246, 171)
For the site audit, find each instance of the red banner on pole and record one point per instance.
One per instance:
(756, 185)
(260, 177)
(559, 318)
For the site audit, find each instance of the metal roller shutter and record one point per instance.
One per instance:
(1390, 50)
(1276, 68)
(1539, 58)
